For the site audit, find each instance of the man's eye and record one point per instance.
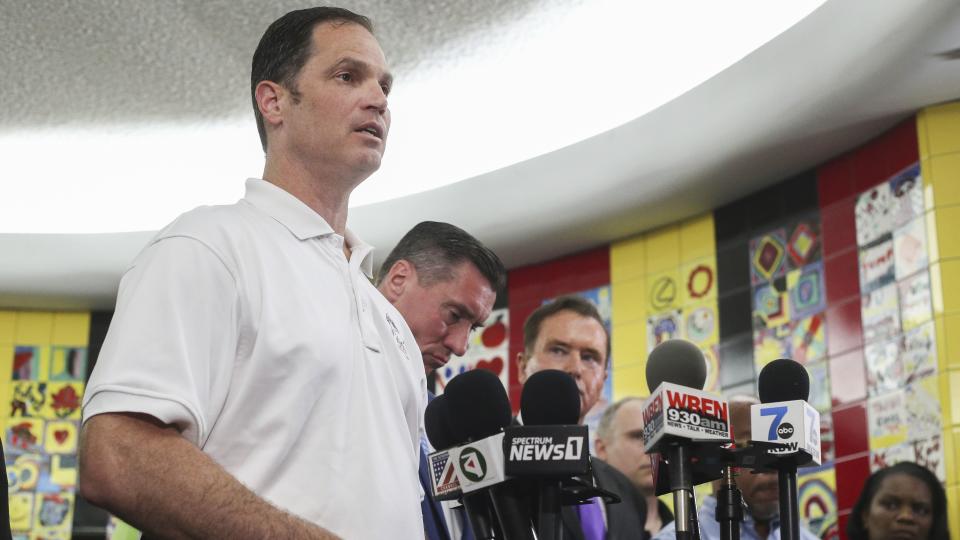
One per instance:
(386, 89)
(345, 77)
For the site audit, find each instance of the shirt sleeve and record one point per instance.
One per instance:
(170, 349)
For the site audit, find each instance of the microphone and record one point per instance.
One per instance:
(479, 403)
(680, 419)
(785, 417)
(444, 482)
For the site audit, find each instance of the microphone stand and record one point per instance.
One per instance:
(729, 506)
(681, 484)
(789, 507)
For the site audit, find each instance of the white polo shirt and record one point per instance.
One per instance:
(247, 327)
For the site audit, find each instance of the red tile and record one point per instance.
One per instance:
(842, 520)
(870, 166)
(848, 377)
(838, 227)
(903, 149)
(835, 180)
(850, 430)
(842, 276)
(851, 474)
(843, 327)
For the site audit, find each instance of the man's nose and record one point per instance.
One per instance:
(377, 98)
(574, 366)
(457, 340)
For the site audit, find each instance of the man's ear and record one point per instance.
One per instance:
(522, 360)
(399, 277)
(269, 96)
(600, 448)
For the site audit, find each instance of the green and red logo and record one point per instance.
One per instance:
(472, 464)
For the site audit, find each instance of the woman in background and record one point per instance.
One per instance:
(903, 501)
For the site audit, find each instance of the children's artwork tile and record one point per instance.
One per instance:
(24, 436)
(806, 291)
(923, 413)
(698, 281)
(711, 354)
(907, 190)
(827, 437)
(874, 213)
(880, 313)
(887, 420)
(918, 352)
(803, 245)
(910, 248)
(26, 362)
(770, 344)
(68, 364)
(61, 437)
(817, 497)
(768, 257)
(54, 513)
(771, 304)
(819, 396)
(809, 339)
(63, 400)
(916, 304)
(21, 511)
(27, 398)
(664, 326)
(700, 323)
(877, 266)
(884, 369)
(23, 472)
(885, 457)
(929, 453)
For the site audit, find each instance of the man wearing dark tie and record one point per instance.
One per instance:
(568, 334)
(444, 282)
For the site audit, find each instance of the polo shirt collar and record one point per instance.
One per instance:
(301, 220)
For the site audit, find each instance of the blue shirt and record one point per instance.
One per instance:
(710, 527)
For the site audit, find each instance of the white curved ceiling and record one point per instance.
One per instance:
(840, 76)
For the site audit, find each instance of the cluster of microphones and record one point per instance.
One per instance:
(513, 479)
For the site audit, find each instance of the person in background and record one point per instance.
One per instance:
(444, 282)
(253, 382)
(619, 442)
(761, 492)
(568, 334)
(904, 501)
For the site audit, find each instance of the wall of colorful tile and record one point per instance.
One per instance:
(43, 357)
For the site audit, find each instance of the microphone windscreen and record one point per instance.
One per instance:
(478, 405)
(676, 361)
(436, 420)
(550, 398)
(783, 380)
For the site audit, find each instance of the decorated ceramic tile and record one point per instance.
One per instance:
(68, 364)
(803, 244)
(885, 457)
(664, 326)
(698, 281)
(663, 292)
(886, 416)
(770, 344)
(916, 304)
(27, 360)
(27, 398)
(884, 368)
(488, 349)
(53, 514)
(817, 498)
(875, 213)
(819, 396)
(806, 289)
(877, 266)
(922, 404)
(827, 437)
(21, 511)
(24, 436)
(918, 352)
(63, 400)
(700, 324)
(711, 353)
(808, 339)
(58, 473)
(23, 472)
(768, 257)
(929, 453)
(880, 313)
(907, 189)
(910, 248)
(61, 437)
(771, 304)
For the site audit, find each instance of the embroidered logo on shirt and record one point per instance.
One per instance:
(397, 336)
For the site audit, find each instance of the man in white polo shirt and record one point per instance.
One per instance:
(253, 383)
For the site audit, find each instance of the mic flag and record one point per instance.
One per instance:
(794, 424)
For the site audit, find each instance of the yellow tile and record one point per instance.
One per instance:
(922, 138)
(663, 249)
(629, 299)
(950, 387)
(948, 223)
(8, 321)
(629, 344)
(941, 176)
(953, 509)
(33, 328)
(663, 291)
(950, 285)
(697, 238)
(948, 341)
(930, 226)
(954, 437)
(698, 281)
(71, 329)
(942, 126)
(630, 381)
(627, 258)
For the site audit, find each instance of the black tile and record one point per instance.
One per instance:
(735, 314)
(733, 268)
(800, 193)
(736, 360)
(99, 324)
(730, 223)
(764, 210)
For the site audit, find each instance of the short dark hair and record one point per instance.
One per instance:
(435, 249)
(287, 45)
(576, 304)
(605, 426)
(856, 529)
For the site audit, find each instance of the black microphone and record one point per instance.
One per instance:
(479, 411)
(444, 483)
(550, 398)
(785, 417)
(679, 418)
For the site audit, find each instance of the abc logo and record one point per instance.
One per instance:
(785, 431)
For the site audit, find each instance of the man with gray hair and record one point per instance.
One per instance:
(619, 442)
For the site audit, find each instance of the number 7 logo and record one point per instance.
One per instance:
(777, 413)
